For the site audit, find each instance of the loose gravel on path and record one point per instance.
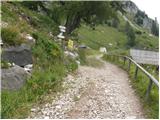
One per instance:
(93, 93)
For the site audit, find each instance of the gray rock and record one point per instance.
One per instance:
(130, 7)
(20, 55)
(13, 78)
(28, 67)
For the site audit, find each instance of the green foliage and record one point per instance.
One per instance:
(46, 49)
(115, 23)
(10, 36)
(139, 17)
(46, 78)
(8, 14)
(93, 62)
(16, 104)
(144, 41)
(90, 52)
(155, 28)
(151, 106)
(82, 55)
(48, 66)
(4, 64)
(138, 32)
(130, 35)
(102, 36)
(47, 74)
(117, 5)
(33, 5)
(71, 64)
(139, 21)
(90, 12)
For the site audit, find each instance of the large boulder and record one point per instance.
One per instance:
(20, 55)
(13, 78)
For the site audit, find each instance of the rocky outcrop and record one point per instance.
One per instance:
(13, 78)
(147, 23)
(130, 7)
(20, 55)
(138, 15)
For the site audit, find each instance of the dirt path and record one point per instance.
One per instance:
(94, 93)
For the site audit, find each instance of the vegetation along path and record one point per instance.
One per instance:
(93, 92)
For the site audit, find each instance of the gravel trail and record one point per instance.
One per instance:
(103, 92)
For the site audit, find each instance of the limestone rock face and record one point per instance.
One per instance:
(20, 55)
(130, 7)
(13, 78)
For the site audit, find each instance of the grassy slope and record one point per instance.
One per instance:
(17, 104)
(103, 35)
(48, 68)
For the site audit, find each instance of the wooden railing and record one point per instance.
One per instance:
(138, 67)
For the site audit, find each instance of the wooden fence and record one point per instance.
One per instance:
(138, 67)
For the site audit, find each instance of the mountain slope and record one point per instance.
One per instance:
(49, 68)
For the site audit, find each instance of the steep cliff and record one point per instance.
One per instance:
(137, 16)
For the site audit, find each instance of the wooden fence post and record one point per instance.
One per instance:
(129, 64)
(136, 72)
(149, 89)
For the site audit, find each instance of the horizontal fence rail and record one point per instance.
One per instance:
(138, 67)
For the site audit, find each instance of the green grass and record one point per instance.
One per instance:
(145, 41)
(92, 52)
(4, 64)
(150, 106)
(93, 62)
(82, 56)
(101, 37)
(48, 66)
(104, 35)
(47, 75)
(11, 36)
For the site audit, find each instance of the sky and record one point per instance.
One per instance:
(151, 7)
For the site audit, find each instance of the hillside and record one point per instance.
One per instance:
(21, 25)
(35, 62)
(114, 39)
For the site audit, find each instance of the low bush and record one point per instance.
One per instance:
(138, 32)
(82, 55)
(4, 64)
(47, 74)
(11, 36)
(70, 64)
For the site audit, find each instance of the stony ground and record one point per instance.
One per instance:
(103, 92)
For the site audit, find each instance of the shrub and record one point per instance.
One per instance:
(82, 55)
(138, 32)
(4, 64)
(71, 65)
(10, 36)
(115, 23)
(47, 75)
(45, 48)
(130, 35)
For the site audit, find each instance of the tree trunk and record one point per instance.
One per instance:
(72, 23)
